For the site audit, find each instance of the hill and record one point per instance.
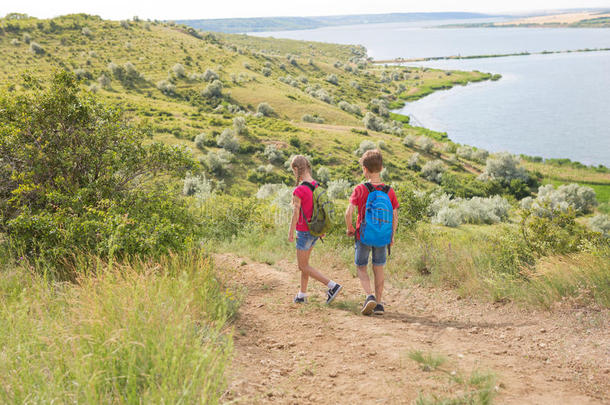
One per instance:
(237, 25)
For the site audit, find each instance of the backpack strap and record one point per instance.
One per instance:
(369, 187)
(372, 188)
(385, 188)
(309, 185)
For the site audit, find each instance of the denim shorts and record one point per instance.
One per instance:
(305, 240)
(362, 254)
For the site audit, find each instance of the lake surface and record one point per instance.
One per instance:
(545, 105)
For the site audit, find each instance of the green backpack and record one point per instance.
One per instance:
(320, 222)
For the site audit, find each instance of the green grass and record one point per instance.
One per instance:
(427, 361)
(140, 332)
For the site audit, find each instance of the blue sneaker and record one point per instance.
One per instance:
(378, 310)
(369, 305)
(332, 293)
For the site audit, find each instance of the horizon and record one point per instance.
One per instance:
(115, 10)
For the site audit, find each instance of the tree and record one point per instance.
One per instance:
(75, 176)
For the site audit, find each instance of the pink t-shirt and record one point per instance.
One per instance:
(306, 196)
(359, 197)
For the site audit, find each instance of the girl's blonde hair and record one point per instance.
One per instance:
(302, 166)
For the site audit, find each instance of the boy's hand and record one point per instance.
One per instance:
(350, 231)
(392, 241)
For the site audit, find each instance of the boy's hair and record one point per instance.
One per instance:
(372, 160)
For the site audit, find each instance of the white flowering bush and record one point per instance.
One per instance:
(364, 146)
(312, 118)
(228, 141)
(338, 189)
(409, 141)
(213, 89)
(166, 87)
(413, 161)
(209, 75)
(350, 108)
(217, 162)
(477, 210)
(273, 154)
(264, 109)
(323, 175)
(503, 166)
(425, 144)
(567, 196)
(601, 223)
(279, 195)
(197, 186)
(179, 70)
(433, 170)
(332, 78)
(239, 125)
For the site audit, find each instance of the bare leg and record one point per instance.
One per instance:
(365, 281)
(379, 279)
(303, 261)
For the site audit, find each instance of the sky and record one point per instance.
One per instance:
(183, 9)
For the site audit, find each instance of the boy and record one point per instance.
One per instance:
(372, 165)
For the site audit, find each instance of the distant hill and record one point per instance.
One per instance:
(235, 25)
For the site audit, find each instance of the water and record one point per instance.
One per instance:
(545, 105)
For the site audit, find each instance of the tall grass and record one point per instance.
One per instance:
(140, 332)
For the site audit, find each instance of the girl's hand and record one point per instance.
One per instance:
(291, 237)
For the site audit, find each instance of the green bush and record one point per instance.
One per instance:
(76, 177)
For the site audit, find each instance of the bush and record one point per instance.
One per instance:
(197, 186)
(364, 146)
(273, 154)
(332, 79)
(338, 189)
(320, 94)
(433, 170)
(312, 118)
(217, 162)
(350, 108)
(104, 81)
(179, 70)
(86, 31)
(213, 89)
(280, 195)
(372, 122)
(26, 38)
(36, 48)
(202, 140)
(266, 72)
(464, 152)
(15, 42)
(601, 223)
(409, 141)
(413, 161)
(382, 145)
(477, 210)
(166, 87)
(228, 141)
(504, 167)
(209, 75)
(425, 144)
(105, 197)
(239, 125)
(265, 109)
(323, 175)
(581, 199)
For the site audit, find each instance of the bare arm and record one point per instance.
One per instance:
(296, 210)
(394, 224)
(349, 213)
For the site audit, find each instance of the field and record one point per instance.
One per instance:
(144, 200)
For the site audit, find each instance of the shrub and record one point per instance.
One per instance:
(319, 93)
(166, 87)
(323, 175)
(433, 170)
(15, 42)
(338, 189)
(273, 154)
(81, 73)
(197, 186)
(504, 167)
(280, 195)
(86, 31)
(104, 81)
(228, 141)
(27, 38)
(581, 199)
(36, 48)
(265, 109)
(179, 70)
(312, 118)
(57, 199)
(413, 161)
(372, 122)
(425, 144)
(217, 162)
(364, 146)
(382, 145)
(202, 140)
(409, 141)
(209, 75)
(355, 85)
(601, 223)
(266, 72)
(350, 108)
(465, 152)
(477, 210)
(239, 125)
(124, 24)
(332, 79)
(480, 155)
(213, 89)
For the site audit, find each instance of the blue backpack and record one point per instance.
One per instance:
(376, 227)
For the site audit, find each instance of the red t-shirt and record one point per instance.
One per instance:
(306, 196)
(359, 196)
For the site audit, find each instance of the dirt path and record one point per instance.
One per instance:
(312, 353)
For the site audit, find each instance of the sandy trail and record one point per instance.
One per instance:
(286, 353)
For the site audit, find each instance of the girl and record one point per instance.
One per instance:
(302, 203)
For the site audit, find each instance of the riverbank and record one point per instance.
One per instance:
(501, 55)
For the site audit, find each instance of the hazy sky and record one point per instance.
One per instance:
(182, 9)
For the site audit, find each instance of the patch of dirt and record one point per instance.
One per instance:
(287, 353)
